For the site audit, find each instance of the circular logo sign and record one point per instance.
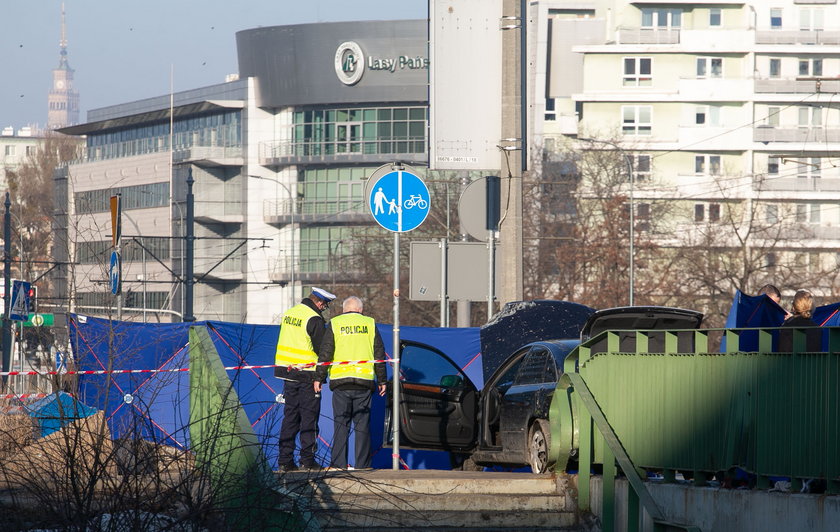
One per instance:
(349, 63)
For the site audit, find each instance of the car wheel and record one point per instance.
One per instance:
(539, 444)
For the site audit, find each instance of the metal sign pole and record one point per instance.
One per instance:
(395, 462)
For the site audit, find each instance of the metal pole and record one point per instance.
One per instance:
(190, 238)
(395, 457)
(293, 198)
(491, 237)
(7, 282)
(444, 292)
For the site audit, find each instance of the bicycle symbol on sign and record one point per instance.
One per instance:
(416, 200)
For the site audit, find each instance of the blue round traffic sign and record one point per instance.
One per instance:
(399, 201)
(115, 273)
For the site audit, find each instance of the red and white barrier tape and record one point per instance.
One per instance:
(176, 370)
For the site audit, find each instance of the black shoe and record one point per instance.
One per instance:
(285, 468)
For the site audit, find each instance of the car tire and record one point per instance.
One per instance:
(539, 446)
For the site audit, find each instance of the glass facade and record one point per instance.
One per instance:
(379, 130)
(213, 130)
(134, 197)
(333, 190)
(98, 251)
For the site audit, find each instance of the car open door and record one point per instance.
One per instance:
(438, 403)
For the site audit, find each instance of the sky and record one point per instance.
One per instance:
(124, 50)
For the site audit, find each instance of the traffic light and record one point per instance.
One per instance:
(33, 298)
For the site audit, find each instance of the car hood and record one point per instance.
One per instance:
(522, 322)
(640, 318)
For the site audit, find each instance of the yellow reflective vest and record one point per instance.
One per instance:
(354, 334)
(294, 346)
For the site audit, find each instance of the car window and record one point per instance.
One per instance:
(505, 381)
(532, 370)
(422, 365)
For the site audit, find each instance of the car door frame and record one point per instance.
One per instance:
(434, 415)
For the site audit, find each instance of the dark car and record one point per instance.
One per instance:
(507, 422)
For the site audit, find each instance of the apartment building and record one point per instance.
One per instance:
(721, 106)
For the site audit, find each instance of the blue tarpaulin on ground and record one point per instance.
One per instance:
(154, 404)
(57, 410)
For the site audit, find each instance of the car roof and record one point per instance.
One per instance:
(640, 318)
(523, 322)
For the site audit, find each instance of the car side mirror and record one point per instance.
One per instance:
(451, 381)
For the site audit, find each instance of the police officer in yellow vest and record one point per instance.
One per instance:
(352, 337)
(302, 330)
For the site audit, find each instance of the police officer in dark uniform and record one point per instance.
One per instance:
(352, 337)
(301, 333)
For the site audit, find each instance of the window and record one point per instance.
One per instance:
(773, 166)
(707, 164)
(700, 212)
(811, 18)
(801, 213)
(709, 67)
(775, 67)
(773, 116)
(809, 168)
(810, 117)
(815, 213)
(770, 260)
(636, 119)
(714, 17)
(771, 213)
(707, 115)
(776, 18)
(550, 109)
(10, 149)
(810, 67)
(641, 167)
(637, 72)
(643, 216)
(660, 17)
(30, 150)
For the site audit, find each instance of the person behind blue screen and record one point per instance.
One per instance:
(352, 337)
(773, 293)
(801, 311)
(302, 330)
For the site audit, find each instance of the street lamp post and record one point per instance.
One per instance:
(293, 201)
(631, 178)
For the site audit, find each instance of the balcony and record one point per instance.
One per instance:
(335, 212)
(625, 35)
(209, 156)
(405, 149)
(768, 36)
(768, 134)
(314, 271)
(795, 86)
(797, 184)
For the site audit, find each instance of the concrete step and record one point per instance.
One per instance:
(432, 500)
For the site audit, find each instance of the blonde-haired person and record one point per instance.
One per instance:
(801, 311)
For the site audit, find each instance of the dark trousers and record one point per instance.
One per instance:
(351, 406)
(300, 415)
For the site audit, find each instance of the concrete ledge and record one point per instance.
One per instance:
(724, 510)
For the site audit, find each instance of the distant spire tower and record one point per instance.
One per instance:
(63, 98)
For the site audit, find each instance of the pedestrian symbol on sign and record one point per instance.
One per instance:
(407, 197)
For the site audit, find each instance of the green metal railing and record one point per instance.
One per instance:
(662, 401)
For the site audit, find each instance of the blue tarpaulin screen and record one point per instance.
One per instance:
(154, 405)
